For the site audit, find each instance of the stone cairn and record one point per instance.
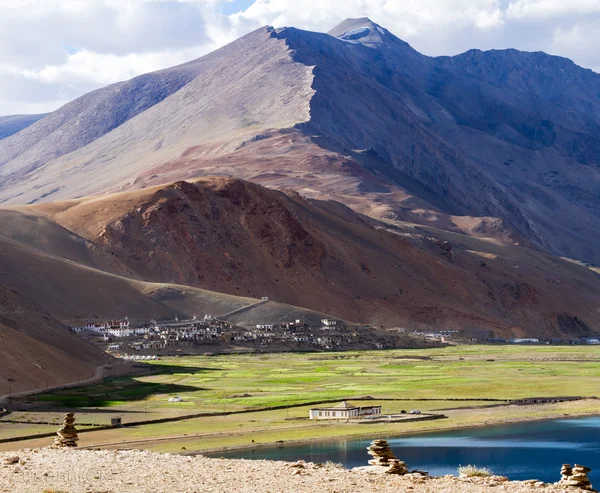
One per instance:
(576, 476)
(383, 456)
(66, 436)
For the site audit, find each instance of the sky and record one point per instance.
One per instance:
(52, 51)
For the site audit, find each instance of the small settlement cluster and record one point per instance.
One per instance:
(154, 335)
(122, 337)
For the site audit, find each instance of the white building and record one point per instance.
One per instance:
(264, 326)
(343, 410)
(120, 332)
(104, 327)
(328, 322)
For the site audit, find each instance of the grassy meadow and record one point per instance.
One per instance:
(226, 383)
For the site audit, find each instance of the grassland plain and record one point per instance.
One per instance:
(230, 383)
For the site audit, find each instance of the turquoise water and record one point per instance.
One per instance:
(532, 450)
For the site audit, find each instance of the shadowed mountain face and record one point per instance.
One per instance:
(501, 143)
(12, 124)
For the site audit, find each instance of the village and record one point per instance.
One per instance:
(137, 341)
(211, 334)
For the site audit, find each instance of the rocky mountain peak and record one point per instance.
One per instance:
(363, 31)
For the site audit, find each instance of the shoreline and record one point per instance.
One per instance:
(181, 439)
(133, 471)
(428, 431)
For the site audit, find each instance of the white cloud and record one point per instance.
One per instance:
(544, 9)
(102, 69)
(405, 18)
(575, 42)
(54, 50)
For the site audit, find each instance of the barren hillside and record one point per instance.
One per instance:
(37, 350)
(51, 277)
(235, 237)
(219, 244)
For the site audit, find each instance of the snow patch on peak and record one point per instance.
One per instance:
(356, 33)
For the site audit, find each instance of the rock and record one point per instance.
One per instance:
(576, 477)
(397, 467)
(12, 460)
(67, 434)
(384, 457)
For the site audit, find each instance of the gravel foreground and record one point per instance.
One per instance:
(101, 471)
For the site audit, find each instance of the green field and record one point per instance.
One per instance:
(229, 383)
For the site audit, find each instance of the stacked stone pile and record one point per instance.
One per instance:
(67, 434)
(383, 456)
(381, 452)
(576, 476)
(397, 467)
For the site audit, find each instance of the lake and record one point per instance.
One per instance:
(532, 450)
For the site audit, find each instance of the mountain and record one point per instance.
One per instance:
(374, 184)
(215, 245)
(502, 137)
(500, 142)
(88, 282)
(51, 277)
(12, 124)
(246, 241)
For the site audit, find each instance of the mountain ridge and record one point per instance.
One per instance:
(370, 122)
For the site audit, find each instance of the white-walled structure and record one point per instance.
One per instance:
(343, 410)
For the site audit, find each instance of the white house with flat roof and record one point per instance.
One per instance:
(343, 410)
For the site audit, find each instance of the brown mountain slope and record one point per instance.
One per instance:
(38, 351)
(73, 292)
(234, 237)
(147, 254)
(50, 276)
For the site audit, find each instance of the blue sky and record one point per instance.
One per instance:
(236, 6)
(52, 51)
